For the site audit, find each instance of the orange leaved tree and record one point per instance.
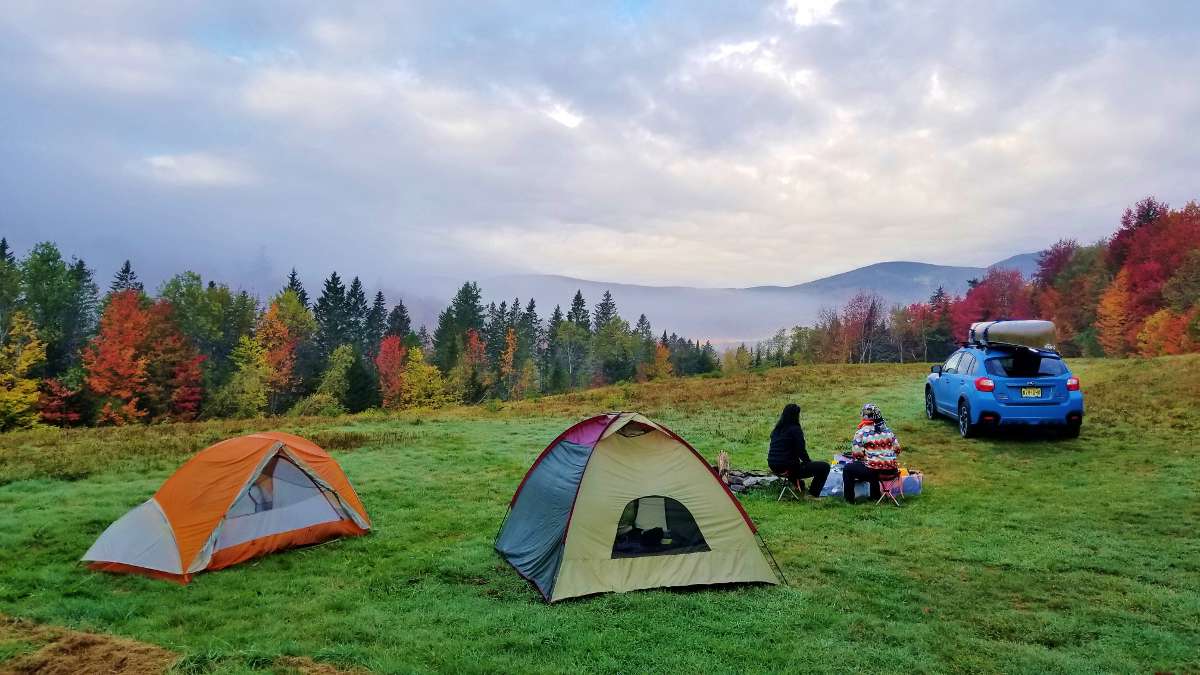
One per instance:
(115, 366)
(1113, 317)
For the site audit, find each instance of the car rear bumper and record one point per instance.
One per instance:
(1050, 415)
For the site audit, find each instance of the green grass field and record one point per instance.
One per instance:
(1023, 555)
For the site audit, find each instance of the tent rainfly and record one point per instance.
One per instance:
(617, 503)
(239, 499)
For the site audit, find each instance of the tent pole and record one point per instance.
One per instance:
(778, 569)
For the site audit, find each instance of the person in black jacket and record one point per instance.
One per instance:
(788, 455)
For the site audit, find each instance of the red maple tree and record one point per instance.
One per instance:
(141, 365)
(173, 383)
(389, 363)
(59, 405)
(116, 370)
(1001, 294)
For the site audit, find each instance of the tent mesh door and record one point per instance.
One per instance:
(656, 525)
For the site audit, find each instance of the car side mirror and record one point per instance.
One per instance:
(936, 370)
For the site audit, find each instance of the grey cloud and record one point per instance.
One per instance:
(718, 144)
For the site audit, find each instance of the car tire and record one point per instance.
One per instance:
(931, 410)
(1072, 430)
(965, 428)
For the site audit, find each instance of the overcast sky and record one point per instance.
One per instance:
(714, 144)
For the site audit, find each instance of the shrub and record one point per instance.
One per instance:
(317, 405)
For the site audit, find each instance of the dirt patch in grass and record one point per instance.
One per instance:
(48, 650)
(69, 652)
(306, 666)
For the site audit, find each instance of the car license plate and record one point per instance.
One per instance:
(1031, 392)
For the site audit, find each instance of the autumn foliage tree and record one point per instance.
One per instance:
(863, 325)
(116, 367)
(140, 365)
(283, 329)
(1163, 333)
(661, 366)
(21, 353)
(389, 363)
(1113, 317)
(472, 378)
(508, 365)
(424, 386)
(246, 393)
(174, 386)
(1000, 294)
(59, 404)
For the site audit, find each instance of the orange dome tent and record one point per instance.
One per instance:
(236, 500)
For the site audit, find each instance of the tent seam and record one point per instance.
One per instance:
(546, 451)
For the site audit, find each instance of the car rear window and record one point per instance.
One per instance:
(1026, 365)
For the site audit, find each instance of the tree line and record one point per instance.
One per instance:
(72, 355)
(1135, 293)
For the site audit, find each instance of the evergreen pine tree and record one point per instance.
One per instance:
(606, 310)
(468, 307)
(495, 327)
(578, 314)
(514, 313)
(125, 279)
(708, 361)
(424, 339)
(376, 325)
(643, 329)
(356, 310)
(464, 313)
(614, 351)
(333, 322)
(82, 313)
(10, 286)
(939, 341)
(446, 343)
(529, 333)
(362, 386)
(47, 292)
(295, 285)
(399, 323)
(553, 374)
(556, 318)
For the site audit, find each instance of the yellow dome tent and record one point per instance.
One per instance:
(617, 503)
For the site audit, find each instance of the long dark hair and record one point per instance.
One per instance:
(790, 417)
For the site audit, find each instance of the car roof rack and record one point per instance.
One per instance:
(1032, 334)
(1010, 346)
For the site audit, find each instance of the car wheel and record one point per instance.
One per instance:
(965, 428)
(930, 404)
(1072, 430)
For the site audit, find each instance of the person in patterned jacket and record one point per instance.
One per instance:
(874, 450)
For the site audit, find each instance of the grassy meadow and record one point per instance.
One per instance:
(1025, 554)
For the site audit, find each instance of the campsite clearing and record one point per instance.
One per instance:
(1024, 554)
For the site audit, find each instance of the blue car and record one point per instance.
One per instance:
(988, 386)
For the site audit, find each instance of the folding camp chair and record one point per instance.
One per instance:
(788, 488)
(891, 485)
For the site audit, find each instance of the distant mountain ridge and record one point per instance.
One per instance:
(730, 315)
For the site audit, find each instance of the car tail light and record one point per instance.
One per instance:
(1072, 384)
(985, 384)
